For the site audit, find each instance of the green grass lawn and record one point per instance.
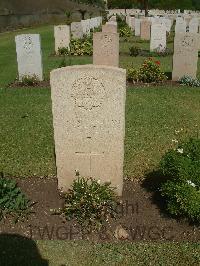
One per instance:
(155, 117)
(23, 252)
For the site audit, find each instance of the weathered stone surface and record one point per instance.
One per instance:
(158, 37)
(76, 30)
(62, 36)
(29, 57)
(109, 28)
(186, 46)
(88, 105)
(145, 30)
(106, 49)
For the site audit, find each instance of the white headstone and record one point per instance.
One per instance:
(88, 104)
(186, 46)
(76, 30)
(158, 37)
(62, 37)
(29, 56)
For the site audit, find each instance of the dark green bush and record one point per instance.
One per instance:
(134, 51)
(90, 203)
(63, 50)
(12, 200)
(181, 190)
(125, 31)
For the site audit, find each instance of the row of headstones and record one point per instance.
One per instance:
(186, 47)
(28, 46)
(138, 12)
(63, 33)
(151, 12)
(106, 49)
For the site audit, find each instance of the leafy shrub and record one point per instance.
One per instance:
(132, 74)
(150, 71)
(12, 200)
(90, 202)
(78, 47)
(29, 80)
(63, 50)
(125, 32)
(181, 190)
(189, 81)
(134, 51)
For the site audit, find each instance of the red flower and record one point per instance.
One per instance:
(157, 63)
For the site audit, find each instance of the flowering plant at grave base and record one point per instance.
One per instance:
(181, 188)
(189, 81)
(78, 47)
(28, 80)
(149, 72)
(91, 203)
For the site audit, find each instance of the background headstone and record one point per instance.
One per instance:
(158, 37)
(186, 46)
(62, 36)
(145, 28)
(194, 25)
(88, 104)
(29, 57)
(76, 30)
(180, 25)
(106, 49)
(137, 27)
(86, 26)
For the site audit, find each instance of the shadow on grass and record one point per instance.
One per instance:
(19, 251)
(152, 183)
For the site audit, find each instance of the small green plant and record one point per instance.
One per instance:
(149, 72)
(90, 203)
(29, 80)
(189, 81)
(63, 50)
(134, 51)
(12, 200)
(132, 74)
(125, 31)
(181, 188)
